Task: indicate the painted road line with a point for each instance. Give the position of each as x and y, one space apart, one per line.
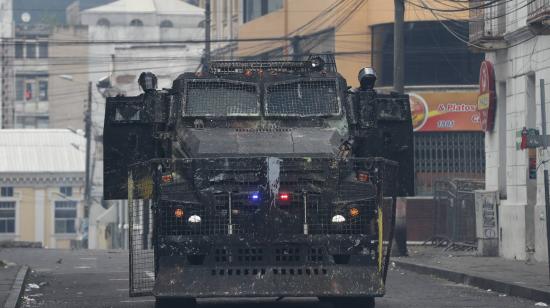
119 279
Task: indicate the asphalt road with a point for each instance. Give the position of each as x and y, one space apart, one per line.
84 279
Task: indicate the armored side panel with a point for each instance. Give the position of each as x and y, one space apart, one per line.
128 138
384 120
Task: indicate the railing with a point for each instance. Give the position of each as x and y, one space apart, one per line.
487 23
538 13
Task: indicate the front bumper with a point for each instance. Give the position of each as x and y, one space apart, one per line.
296 266
175 279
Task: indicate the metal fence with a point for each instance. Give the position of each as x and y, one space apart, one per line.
454 216
487 20
142 265
447 155
535 8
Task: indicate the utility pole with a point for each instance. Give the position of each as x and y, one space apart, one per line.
88 180
400 228
544 160
399 47
296 50
207 36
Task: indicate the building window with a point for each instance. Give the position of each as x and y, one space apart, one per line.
433 56
29 89
6 191
253 9
166 24
66 190
136 23
43 50
104 22
31 50
42 122
65 217
7 217
19 50
19 88
43 90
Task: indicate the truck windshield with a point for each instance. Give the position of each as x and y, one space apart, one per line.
219 98
302 98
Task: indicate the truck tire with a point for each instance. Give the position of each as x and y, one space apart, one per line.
350 302
175 302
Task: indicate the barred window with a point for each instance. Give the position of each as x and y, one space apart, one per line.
65 217
221 98
302 98
7 217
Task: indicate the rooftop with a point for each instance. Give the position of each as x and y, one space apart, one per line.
148 6
41 151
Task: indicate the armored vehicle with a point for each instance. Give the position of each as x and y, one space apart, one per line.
259 179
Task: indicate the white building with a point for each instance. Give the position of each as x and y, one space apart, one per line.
133 36
6 56
519 49
42 186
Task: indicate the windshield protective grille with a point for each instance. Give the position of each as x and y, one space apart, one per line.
217 98
302 98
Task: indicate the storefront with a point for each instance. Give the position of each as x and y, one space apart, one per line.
449 141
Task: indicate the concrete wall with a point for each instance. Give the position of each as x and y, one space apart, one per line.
518 70
149 19
68 78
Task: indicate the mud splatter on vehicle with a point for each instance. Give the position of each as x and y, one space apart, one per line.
258 179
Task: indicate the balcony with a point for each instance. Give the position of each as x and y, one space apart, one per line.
487 25
538 16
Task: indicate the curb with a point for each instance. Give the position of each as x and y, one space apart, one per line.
479 282
17 288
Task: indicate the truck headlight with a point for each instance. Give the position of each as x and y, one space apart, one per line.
338 219
194 219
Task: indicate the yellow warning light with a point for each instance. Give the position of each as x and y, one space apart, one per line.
179 213
354 212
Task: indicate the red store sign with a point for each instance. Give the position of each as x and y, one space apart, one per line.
487 101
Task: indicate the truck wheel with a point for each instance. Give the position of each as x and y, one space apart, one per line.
175 303
350 302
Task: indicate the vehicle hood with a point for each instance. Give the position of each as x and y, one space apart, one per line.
226 142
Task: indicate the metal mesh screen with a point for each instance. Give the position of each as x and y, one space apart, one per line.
221 98
236 198
142 271
447 155
302 98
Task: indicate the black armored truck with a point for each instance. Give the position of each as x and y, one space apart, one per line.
259 179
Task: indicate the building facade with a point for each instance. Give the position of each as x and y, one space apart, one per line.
6 61
441 73
41 187
135 36
517 44
31 99
68 77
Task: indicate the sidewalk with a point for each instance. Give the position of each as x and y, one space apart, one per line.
11 284
514 278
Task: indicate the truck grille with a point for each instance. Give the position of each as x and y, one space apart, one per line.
220 193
